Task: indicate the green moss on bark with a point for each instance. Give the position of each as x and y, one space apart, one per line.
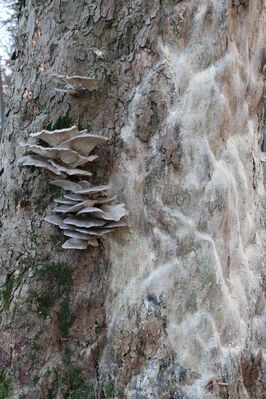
7 292
5 386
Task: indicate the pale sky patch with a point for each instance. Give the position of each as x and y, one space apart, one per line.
5 35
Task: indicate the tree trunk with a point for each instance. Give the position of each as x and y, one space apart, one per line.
173 299
1 104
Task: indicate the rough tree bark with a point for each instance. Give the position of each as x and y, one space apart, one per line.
175 298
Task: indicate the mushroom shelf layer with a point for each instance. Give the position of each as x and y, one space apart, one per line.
76 85
66 151
85 212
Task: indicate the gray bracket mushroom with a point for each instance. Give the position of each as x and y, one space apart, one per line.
66 150
76 85
85 212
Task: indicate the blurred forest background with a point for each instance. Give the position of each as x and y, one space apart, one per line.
9 14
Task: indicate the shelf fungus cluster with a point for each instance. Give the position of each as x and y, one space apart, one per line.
64 153
85 212
76 85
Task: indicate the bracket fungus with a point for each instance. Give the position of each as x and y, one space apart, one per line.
66 150
85 212
76 85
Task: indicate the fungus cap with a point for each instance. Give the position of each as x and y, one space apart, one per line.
83 144
65 155
75 243
55 137
84 222
77 82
